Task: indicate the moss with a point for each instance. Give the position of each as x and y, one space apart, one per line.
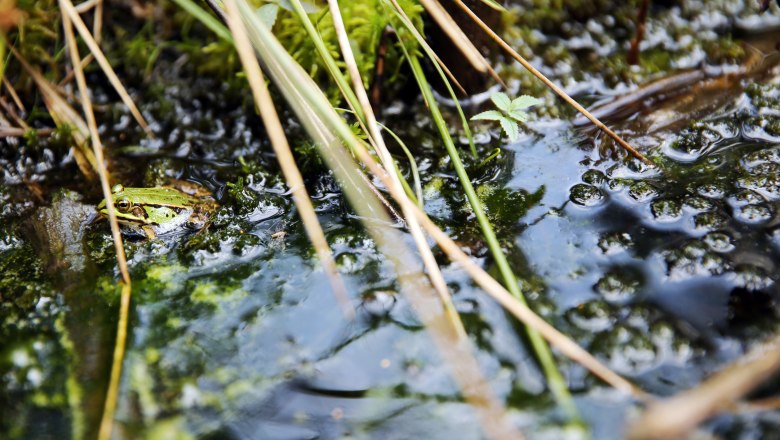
22 284
505 207
365 22
724 50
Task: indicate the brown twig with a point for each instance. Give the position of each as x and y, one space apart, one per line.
14 95
107 421
641 19
12 113
459 38
70 11
434 273
565 96
19 132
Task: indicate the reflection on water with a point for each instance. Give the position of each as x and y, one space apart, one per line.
665 273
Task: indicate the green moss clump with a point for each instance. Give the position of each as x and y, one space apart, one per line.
505 207
365 22
22 283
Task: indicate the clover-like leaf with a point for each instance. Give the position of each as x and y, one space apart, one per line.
518 115
501 101
523 102
490 115
510 128
267 13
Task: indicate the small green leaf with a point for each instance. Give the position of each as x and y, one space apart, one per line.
523 102
501 100
490 115
267 14
518 115
510 128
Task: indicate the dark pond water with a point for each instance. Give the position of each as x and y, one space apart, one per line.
664 273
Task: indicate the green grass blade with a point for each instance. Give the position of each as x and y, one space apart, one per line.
330 62
429 52
207 19
555 380
417 196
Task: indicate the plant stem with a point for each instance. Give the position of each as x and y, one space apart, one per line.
555 380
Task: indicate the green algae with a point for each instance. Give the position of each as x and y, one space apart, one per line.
226 323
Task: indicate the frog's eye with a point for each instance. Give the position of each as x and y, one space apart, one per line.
117 188
123 205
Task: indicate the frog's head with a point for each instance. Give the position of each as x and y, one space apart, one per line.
126 210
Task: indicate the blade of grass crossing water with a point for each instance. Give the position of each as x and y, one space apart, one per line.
329 130
107 420
434 273
399 12
555 381
292 174
418 194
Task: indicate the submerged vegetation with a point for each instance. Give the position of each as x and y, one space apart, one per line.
344 256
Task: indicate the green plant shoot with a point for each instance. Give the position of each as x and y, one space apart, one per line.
509 113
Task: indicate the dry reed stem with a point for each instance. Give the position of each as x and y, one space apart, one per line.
522 312
63 115
428 48
459 38
69 76
97 25
14 95
434 273
322 123
768 404
565 96
19 132
85 6
284 156
455 33
70 11
97 146
10 111
678 415
97 22
112 394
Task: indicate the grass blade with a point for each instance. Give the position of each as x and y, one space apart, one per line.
541 349
68 9
64 116
112 393
387 161
439 68
286 161
328 129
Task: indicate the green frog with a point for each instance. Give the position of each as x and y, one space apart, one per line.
151 212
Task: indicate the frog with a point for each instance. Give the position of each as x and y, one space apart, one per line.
158 211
